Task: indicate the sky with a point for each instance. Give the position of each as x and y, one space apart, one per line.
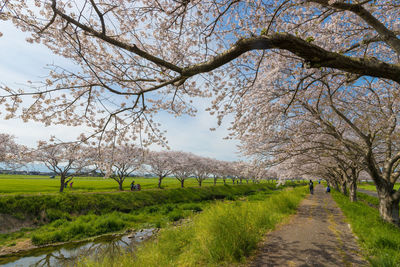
21 61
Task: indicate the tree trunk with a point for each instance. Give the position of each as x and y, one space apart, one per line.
120 185
247 181
343 188
353 191
233 181
215 181
389 210
182 183
159 181
62 183
200 181
336 185
224 181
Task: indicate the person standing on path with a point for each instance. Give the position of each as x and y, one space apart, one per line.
311 186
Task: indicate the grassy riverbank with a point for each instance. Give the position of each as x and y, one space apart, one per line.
380 240
54 207
67 217
224 234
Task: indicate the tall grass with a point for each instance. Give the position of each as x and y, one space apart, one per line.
56 206
85 226
72 217
381 240
224 234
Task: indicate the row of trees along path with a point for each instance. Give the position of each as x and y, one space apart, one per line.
316 236
311 84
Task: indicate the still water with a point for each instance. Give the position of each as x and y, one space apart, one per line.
68 254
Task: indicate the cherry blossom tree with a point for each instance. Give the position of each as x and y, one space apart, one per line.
64 159
225 170
217 169
183 165
202 169
120 162
161 164
320 121
132 49
12 155
242 170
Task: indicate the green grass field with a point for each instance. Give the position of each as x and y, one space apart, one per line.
371 187
31 184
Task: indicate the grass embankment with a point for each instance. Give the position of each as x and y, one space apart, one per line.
224 234
370 200
381 240
75 216
30 184
374 201
81 227
371 186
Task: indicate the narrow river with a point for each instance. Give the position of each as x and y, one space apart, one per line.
69 254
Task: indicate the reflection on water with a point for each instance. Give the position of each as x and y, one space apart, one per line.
69 254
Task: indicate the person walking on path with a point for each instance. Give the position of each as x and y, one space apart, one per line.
311 186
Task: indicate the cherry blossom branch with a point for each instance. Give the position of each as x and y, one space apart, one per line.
129 47
387 35
314 56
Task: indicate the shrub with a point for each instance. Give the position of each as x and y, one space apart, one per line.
53 214
175 215
192 206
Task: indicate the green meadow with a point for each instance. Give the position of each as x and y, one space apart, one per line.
34 184
371 186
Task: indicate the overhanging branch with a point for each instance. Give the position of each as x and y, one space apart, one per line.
314 55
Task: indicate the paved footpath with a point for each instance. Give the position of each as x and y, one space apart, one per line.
316 236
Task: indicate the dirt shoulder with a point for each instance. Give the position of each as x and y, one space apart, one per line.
316 236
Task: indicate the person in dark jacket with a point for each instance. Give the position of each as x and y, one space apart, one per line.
311 186
328 189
